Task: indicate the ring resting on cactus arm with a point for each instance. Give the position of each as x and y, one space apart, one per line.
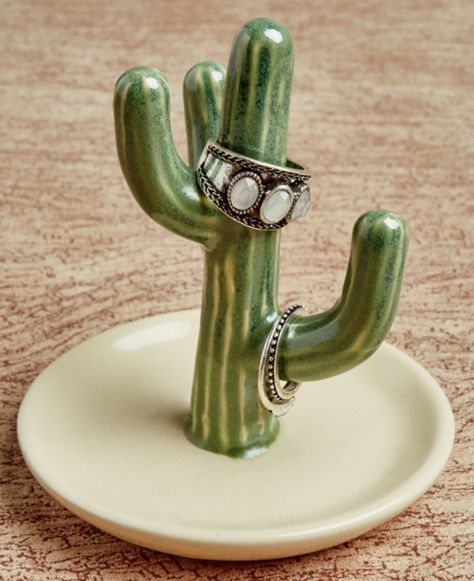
275 398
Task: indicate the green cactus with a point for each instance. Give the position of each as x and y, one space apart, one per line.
246 110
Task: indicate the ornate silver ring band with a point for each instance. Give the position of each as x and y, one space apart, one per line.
276 398
259 195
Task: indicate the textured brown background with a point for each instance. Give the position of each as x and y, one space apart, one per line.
383 112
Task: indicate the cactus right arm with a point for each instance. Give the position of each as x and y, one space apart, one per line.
164 186
329 343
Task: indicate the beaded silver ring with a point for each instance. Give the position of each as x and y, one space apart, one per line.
276 398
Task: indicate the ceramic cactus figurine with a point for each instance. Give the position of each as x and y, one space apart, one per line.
245 110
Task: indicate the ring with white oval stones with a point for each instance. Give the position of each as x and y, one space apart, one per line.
257 194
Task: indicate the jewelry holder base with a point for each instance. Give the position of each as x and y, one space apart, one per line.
101 429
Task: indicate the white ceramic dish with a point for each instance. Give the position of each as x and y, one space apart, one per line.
101 430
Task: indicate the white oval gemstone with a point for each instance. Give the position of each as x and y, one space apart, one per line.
302 205
276 205
244 193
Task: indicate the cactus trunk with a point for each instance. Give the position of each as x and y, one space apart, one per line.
238 308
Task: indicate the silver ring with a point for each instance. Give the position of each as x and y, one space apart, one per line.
257 194
275 398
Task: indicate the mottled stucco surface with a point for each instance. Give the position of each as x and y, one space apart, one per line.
383 113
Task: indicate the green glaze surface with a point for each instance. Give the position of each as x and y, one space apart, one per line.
248 113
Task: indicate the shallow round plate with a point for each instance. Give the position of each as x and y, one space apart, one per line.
101 430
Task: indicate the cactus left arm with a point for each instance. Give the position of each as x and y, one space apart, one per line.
329 343
164 186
